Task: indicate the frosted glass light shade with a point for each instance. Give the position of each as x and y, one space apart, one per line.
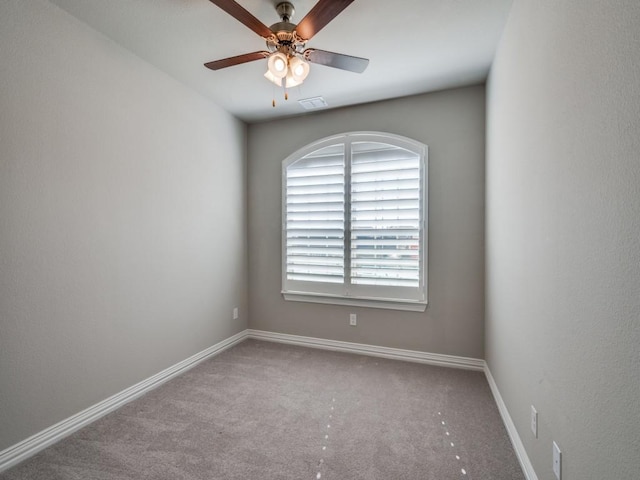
299 69
291 81
269 76
278 64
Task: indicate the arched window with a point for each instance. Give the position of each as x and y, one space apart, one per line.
354 209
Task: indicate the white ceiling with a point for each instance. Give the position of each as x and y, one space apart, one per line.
415 46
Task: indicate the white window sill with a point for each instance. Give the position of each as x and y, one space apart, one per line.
389 304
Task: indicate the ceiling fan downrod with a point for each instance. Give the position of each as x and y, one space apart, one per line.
285 11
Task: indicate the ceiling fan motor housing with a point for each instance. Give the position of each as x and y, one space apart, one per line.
286 40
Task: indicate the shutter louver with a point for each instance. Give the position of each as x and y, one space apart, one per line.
385 215
315 214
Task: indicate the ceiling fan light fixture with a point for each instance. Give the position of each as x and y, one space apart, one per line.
299 69
278 64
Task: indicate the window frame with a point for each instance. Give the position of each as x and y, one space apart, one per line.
338 294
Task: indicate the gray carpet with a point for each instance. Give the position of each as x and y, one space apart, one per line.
269 411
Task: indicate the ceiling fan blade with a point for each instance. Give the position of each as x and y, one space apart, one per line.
237 60
336 60
243 16
322 13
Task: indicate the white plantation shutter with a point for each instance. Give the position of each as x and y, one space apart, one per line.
385 215
315 211
354 210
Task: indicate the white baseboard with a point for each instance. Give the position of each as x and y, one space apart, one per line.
516 441
32 445
371 350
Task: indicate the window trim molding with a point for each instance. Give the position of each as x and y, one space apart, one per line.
388 304
355 300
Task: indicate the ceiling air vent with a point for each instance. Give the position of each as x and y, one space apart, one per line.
313 103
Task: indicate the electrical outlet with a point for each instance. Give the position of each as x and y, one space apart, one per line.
534 421
353 319
557 461
235 313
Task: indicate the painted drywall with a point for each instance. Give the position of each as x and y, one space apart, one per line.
452 124
122 219
563 232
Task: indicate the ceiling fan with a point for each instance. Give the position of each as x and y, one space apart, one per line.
286 41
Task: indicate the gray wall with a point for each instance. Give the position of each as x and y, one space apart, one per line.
122 219
452 124
563 230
